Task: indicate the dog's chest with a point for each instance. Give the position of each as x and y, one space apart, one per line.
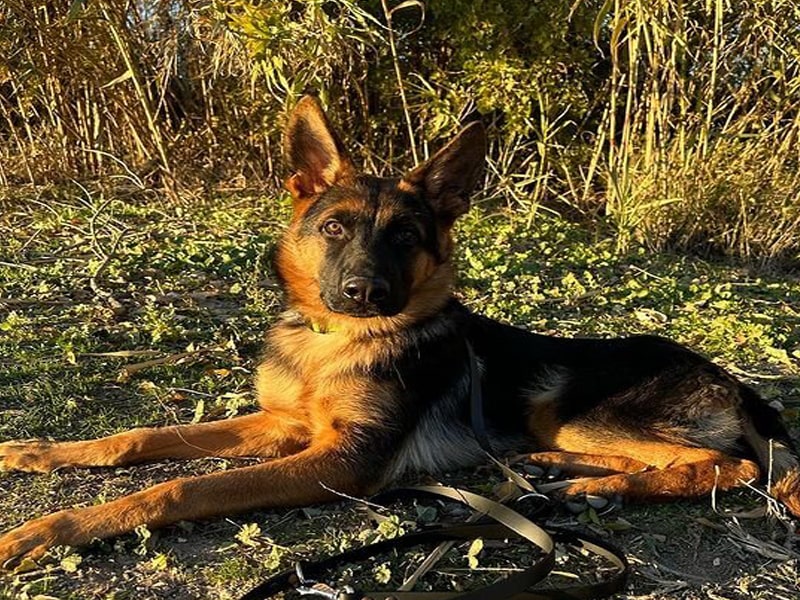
319 378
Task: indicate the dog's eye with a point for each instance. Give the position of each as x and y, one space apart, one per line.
405 237
332 228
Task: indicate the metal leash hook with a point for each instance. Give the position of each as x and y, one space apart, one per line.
309 587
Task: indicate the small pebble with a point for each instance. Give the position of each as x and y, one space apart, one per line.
574 507
533 470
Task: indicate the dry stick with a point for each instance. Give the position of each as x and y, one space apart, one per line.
17 140
14 265
102 267
120 354
140 92
363 501
129 370
746 541
396 62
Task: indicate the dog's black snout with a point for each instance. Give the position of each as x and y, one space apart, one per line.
365 290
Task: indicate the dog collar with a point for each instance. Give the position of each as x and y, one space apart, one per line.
296 319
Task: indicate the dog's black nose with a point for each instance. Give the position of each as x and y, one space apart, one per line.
365 290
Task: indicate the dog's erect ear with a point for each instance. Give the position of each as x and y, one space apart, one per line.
447 179
314 152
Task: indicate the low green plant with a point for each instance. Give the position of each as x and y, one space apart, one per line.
65 347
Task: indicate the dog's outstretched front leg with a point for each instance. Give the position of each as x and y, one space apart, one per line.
260 434
298 480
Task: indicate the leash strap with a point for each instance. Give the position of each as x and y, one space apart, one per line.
478 423
507 524
476 403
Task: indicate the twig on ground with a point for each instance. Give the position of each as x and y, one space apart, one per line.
129 370
353 498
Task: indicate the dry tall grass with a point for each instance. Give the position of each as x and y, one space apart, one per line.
699 143
675 122
154 84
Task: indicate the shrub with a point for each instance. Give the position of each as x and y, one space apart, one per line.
670 124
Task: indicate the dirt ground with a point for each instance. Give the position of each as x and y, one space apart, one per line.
683 550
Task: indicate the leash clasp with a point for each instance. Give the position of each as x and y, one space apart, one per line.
309 587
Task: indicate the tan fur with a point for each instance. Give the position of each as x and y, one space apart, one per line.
683 480
282 482
652 469
787 490
590 465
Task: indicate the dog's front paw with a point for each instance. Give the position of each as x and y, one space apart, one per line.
35 456
32 539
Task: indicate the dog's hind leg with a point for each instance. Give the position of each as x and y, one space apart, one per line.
590 465
675 471
687 480
260 434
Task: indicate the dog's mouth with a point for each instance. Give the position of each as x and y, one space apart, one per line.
388 307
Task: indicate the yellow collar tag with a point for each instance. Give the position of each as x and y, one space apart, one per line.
318 328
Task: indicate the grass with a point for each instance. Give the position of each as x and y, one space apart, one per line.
96 284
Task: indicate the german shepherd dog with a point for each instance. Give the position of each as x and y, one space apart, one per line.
368 376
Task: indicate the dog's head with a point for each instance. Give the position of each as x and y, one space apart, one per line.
369 252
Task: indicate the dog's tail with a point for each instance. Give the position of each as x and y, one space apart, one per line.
766 434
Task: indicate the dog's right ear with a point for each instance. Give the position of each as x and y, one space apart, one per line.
314 152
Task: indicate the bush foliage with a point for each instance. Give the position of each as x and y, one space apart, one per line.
671 123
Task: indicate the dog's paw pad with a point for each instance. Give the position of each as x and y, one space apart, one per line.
533 470
27 455
554 472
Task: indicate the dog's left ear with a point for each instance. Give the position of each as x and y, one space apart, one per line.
448 178
314 152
